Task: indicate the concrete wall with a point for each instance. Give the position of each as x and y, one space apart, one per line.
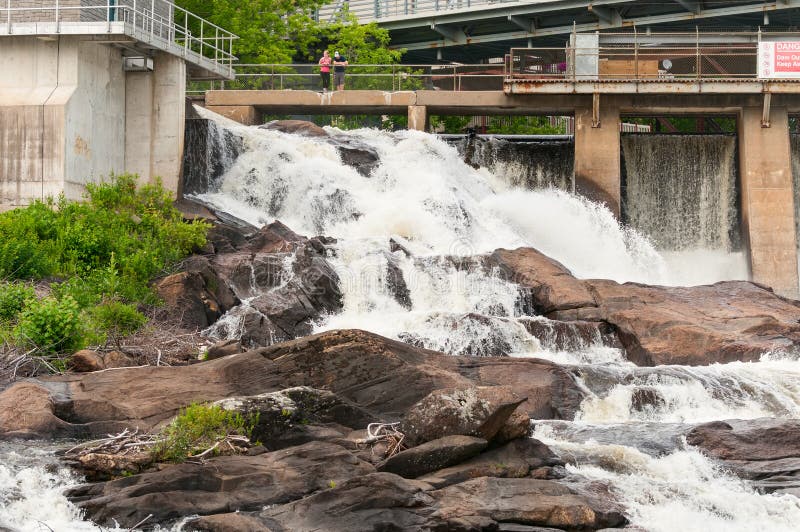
70 115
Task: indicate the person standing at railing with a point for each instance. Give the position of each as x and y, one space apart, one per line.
339 64
325 70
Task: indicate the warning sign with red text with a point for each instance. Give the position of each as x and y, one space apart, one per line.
779 60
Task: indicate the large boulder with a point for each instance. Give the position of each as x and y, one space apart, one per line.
433 455
388 377
381 376
479 411
221 484
657 325
383 501
296 127
94 404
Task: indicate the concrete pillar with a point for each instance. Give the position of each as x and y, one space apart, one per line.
418 117
155 111
244 114
597 157
767 199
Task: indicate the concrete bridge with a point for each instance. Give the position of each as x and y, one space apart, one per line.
600 90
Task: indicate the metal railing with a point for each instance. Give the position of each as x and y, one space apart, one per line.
371 10
368 77
157 22
661 57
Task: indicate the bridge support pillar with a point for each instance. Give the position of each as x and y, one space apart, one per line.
247 115
418 117
767 199
597 155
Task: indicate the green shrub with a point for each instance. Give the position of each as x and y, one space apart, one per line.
197 428
114 319
107 248
50 324
13 298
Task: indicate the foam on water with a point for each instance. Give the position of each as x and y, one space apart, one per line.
683 490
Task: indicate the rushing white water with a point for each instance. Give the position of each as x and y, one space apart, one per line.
738 390
682 490
31 491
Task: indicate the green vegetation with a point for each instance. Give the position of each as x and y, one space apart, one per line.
98 258
198 429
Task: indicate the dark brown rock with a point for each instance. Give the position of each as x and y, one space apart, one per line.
237 522
221 484
657 325
474 411
296 127
515 459
387 377
432 455
187 301
94 404
223 348
85 361
524 501
751 440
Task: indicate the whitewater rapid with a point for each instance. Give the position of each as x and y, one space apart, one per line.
444 212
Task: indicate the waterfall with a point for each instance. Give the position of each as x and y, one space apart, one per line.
680 190
209 151
531 165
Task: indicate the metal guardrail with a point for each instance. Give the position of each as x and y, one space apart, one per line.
371 10
658 57
157 22
370 77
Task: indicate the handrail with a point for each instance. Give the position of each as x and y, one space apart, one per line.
159 22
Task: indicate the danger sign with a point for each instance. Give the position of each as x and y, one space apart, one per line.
779 60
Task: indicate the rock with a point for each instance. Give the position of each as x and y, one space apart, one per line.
296 127
95 404
85 361
117 359
723 322
757 439
293 416
387 377
646 398
432 455
474 411
515 459
220 484
378 501
187 301
104 466
570 335
223 348
551 285
523 501
237 522
517 426
360 156
396 284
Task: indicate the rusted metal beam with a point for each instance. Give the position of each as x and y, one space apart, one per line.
766 110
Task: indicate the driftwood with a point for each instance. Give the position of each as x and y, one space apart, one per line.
386 433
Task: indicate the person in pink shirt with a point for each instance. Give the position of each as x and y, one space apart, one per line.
325 70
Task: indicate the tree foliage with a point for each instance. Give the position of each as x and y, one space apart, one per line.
284 31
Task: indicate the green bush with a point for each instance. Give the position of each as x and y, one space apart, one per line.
50 324
114 319
197 428
106 249
13 298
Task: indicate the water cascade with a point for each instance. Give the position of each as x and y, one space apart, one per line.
423 213
529 164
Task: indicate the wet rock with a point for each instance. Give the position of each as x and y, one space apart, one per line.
750 440
221 484
570 335
474 411
515 459
646 398
396 284
395 246
360 156
296 127
723 322
432 455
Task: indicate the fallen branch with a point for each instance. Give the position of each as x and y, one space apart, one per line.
387 433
